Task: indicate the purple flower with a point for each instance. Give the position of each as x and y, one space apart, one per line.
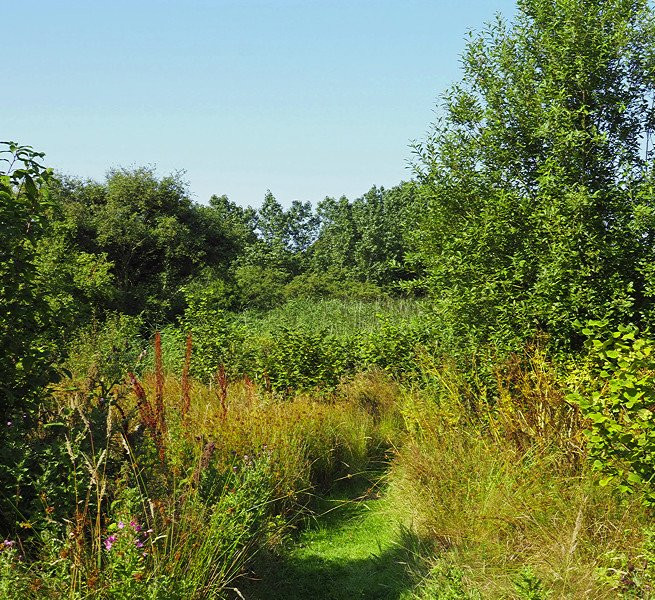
9 423
9 543
135 526
109 542
138 543
121 525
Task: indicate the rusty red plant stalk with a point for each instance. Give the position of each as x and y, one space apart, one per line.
205 459
159 385
143 404
148 416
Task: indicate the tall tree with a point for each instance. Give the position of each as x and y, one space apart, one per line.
24 315
367 238
537 180
153 236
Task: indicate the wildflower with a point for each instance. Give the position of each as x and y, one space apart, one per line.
135 526
9 423
109 542
9 543
121 525
138 543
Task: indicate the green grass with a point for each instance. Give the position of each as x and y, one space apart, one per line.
355 548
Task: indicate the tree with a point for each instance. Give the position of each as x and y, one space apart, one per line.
284 235
155 239
537 180
24 203
277 254
366 238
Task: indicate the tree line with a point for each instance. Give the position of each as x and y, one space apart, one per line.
531 210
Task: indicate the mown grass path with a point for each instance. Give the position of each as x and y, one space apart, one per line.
354 550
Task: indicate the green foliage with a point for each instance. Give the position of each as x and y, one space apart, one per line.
366 239
283 236
210 327
529 587
24 314
153 237
13 580
333 283
618 403
45 460
534 208
633 577
446 582
73 283
103 353
536 191
292 349
260 287
296 359
26 333
174 563
335 316
393 346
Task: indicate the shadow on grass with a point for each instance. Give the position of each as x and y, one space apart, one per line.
340 556
380 577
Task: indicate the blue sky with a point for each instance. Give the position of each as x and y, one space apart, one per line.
305 98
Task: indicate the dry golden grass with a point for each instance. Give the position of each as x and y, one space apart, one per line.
312 441
510 490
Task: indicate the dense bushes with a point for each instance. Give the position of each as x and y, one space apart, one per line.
533 209
616 394
24 313
537 191
287 353
506 497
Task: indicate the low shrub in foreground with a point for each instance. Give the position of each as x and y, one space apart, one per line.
616 393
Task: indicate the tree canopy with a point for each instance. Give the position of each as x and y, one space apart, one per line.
537 178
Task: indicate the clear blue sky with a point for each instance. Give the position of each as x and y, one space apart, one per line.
307 98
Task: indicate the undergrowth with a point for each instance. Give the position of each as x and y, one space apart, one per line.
159 484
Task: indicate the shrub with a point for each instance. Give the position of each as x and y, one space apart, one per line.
394 347
616 394
105 351
297 359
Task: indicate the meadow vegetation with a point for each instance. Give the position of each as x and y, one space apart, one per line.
442 390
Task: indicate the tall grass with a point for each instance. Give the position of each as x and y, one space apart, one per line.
165 486
176 484
504 496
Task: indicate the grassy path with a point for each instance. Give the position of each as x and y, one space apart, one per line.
355 549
